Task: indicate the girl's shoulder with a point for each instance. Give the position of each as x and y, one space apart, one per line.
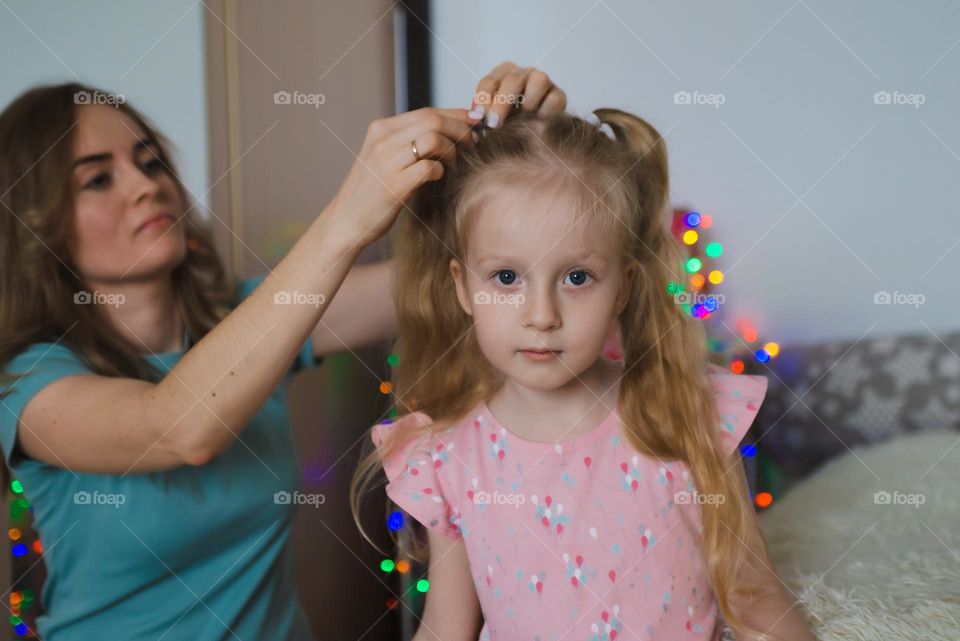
417 436
738 398
422 467
421 424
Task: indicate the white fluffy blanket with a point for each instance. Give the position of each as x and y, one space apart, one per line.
872 567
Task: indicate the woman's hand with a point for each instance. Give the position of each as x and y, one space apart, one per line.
387 171
399 154
510 87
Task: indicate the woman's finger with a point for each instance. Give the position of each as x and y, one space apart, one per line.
488 85
453 127
537 87
417 174
509 86
508 94
430 145
425 114
555 100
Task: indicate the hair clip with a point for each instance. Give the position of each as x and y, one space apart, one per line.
602 127
479 129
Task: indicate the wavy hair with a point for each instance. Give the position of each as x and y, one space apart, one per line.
666 405
37 277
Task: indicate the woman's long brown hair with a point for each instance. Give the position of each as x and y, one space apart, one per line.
38 278
666 404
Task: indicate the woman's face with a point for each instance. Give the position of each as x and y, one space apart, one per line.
120 184
539 276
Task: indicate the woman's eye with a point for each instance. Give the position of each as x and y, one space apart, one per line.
100 181
506 276
153 165
578 277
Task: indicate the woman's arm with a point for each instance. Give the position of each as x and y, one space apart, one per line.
112 425
117 425
362 313
452 610
237 366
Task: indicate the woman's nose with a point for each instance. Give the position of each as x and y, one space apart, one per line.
139 183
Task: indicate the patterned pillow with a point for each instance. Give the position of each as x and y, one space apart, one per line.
826 398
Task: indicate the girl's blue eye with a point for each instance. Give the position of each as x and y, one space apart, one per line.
511 276
578 277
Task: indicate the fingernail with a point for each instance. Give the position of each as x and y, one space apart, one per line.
476 113
493 118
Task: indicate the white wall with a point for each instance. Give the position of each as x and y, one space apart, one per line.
877 183
151 52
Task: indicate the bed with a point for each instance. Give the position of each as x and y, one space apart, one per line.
859 442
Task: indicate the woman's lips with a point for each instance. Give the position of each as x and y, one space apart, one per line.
157 222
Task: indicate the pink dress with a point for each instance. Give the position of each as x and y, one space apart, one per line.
584 540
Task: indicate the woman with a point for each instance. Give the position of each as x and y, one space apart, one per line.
143 407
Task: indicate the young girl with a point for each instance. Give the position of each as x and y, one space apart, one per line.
567 495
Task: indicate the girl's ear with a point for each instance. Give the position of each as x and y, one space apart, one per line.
458 272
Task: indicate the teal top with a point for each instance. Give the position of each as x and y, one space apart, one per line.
196 553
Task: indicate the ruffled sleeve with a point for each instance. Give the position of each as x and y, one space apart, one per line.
413 479
738 398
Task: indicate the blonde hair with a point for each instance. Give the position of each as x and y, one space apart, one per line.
666 405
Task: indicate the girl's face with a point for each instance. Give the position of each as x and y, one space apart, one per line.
119 185
539 278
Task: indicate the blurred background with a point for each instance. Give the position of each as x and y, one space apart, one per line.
817 140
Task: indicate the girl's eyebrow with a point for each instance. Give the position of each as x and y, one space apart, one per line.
143 143
516 259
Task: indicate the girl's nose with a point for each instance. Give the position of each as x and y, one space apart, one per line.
539 311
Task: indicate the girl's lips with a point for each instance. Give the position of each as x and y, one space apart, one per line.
539 356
